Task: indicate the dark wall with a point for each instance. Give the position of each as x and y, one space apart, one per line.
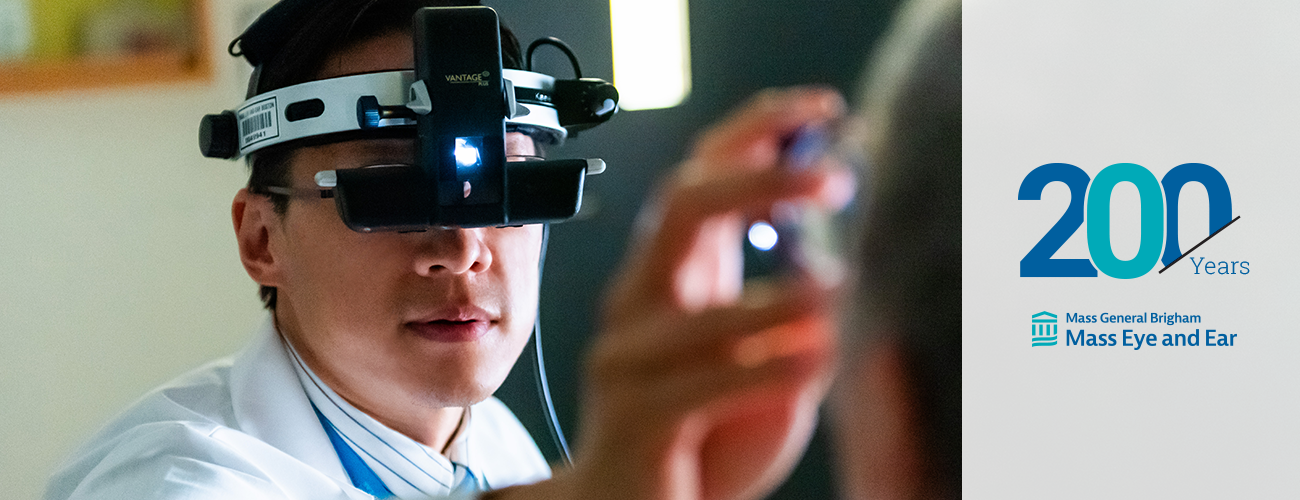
737 48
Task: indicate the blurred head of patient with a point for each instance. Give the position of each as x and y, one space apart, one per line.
898 400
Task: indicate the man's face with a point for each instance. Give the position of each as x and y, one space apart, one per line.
434 318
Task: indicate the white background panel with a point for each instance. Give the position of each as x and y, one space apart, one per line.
1159 84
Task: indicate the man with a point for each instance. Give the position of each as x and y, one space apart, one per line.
373 374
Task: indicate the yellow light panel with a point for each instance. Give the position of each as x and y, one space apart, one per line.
652 52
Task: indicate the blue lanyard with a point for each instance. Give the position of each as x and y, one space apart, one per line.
360 474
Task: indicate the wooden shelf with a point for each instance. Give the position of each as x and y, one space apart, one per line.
160 67
170 66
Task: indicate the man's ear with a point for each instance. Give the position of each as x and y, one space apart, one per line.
255 222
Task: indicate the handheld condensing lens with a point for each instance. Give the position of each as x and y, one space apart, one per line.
796 238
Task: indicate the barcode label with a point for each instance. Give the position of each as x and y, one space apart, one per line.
258 122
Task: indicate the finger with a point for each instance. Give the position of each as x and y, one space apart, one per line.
754 131
772 431
690 199
837 188
744 349
780 341
718 387
771 321
690 207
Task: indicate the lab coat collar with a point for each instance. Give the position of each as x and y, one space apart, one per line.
269 404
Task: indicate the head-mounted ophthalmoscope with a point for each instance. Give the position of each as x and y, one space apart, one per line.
460 101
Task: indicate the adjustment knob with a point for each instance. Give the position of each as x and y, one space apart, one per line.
584 103
219 135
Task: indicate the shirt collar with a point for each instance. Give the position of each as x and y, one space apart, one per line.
408 468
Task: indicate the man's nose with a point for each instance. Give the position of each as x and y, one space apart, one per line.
455 251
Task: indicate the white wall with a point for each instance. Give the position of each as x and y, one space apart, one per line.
118 268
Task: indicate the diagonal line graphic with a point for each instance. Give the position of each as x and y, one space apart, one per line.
1198 245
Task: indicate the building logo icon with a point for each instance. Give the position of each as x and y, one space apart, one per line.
1043 326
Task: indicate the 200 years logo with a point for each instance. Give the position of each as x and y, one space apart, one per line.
1159 219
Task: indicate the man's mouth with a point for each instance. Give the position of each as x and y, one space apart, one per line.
450 331
456 325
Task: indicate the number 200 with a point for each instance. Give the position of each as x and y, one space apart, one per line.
1039 262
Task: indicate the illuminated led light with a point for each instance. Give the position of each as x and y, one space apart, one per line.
652 52
466 154
763 236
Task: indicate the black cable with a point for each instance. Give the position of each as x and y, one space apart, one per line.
544 389
556 42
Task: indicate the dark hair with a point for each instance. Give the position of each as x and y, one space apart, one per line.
292 42
910 253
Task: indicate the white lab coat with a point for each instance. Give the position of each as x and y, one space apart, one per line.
244 428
